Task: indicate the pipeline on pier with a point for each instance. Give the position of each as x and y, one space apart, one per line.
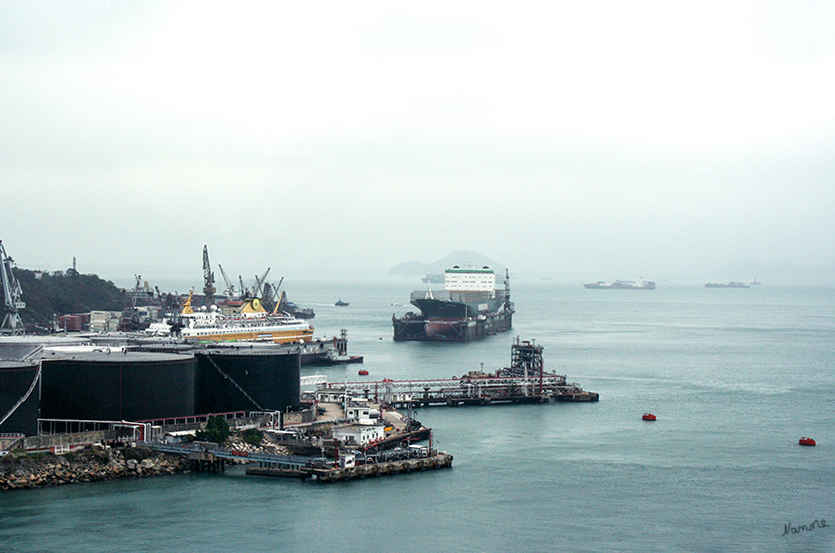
525 381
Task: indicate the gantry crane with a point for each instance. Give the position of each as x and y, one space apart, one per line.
230 291
259 282
12 324
208 278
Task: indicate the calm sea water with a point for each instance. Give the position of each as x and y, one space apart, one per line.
734 376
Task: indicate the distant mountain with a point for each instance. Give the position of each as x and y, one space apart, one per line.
460 258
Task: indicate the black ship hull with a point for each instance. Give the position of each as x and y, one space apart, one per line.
464 329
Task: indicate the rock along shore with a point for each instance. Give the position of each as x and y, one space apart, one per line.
88 465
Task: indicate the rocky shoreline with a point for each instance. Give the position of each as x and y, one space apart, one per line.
89 465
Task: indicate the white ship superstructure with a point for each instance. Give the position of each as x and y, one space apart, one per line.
470 279
253 324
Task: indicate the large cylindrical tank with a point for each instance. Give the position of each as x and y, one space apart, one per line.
16 378
247 380
118 386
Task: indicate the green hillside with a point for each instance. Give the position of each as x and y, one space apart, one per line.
63 294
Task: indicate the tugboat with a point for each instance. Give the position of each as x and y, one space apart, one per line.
806 441
648 417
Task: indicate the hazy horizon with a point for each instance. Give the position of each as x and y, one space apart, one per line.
590 142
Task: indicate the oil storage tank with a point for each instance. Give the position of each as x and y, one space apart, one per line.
19 397
114 384
247 379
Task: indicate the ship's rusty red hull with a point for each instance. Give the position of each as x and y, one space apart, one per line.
451 329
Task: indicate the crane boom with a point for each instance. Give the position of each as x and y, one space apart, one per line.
259 282
281 299
230 288
208 275
277 288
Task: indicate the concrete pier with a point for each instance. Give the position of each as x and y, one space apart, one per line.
206 462
338 474
388 468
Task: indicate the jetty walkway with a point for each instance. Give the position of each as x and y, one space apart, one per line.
213 458
210 458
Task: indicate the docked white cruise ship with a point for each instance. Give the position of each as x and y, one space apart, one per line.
252 324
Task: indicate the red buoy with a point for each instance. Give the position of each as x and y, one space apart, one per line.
363 372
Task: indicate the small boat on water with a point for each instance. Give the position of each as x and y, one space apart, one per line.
807 441
362 372
341 303
648 417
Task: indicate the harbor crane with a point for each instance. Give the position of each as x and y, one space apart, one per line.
12 324
259 282
271 293
130 315
230 291
276 288
208 277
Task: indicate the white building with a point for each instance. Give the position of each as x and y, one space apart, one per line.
361 412
104 321
359 434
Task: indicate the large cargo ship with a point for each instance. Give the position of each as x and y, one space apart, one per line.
639 284
469 308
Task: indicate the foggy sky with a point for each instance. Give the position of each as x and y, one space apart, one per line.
592 140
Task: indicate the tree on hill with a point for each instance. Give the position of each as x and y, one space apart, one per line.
47 295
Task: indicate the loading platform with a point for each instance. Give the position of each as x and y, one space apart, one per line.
473 389
525 381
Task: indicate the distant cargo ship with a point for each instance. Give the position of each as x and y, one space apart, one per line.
728 285
469 308
639 284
